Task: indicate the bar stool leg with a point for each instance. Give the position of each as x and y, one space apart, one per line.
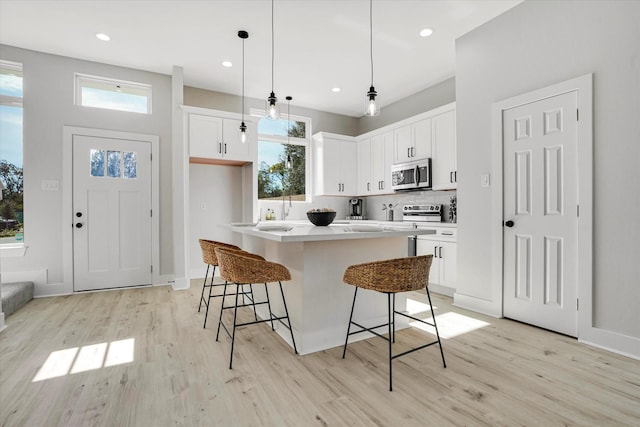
204 285
266 290
253 301
394 318
208 302
286 312
346 340
224 297
433 316
233 334
391 328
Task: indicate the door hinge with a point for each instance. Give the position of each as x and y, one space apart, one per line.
151 213
577 115
578 211
152 268
151 156
577 304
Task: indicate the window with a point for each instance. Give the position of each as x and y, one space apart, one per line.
11 205
119 164
274 179
102 92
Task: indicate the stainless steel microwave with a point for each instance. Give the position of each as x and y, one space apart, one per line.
415 175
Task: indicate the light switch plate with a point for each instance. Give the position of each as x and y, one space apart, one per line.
50 185
484 180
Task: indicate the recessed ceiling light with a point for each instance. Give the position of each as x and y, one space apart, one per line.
426 32
227 64
103 37
335 89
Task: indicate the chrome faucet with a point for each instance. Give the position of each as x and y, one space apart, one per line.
285 213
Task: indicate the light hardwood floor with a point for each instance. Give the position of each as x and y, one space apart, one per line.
502 374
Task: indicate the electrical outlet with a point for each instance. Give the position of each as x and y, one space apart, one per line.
484 180
50 185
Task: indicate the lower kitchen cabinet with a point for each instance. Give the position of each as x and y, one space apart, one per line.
442 246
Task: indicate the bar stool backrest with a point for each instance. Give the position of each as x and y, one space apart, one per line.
392 275
208 252
243 267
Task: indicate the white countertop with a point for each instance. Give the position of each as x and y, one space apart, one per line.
304 231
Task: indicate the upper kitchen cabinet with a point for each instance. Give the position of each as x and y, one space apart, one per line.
334 165
412 141
444 172
381 161
214 139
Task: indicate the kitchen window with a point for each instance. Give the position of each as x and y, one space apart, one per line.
112 94
279 140
11 178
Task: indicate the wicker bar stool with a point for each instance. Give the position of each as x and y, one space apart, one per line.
209 257
241 268
390 277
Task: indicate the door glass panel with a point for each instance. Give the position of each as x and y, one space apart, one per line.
113 164
97 162
130 166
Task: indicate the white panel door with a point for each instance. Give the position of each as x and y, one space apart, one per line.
112 213
540 213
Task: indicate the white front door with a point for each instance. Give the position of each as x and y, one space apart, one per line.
111 213
540 213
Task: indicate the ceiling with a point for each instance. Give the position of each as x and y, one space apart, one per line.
319 44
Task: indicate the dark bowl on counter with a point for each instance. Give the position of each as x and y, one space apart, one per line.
321 218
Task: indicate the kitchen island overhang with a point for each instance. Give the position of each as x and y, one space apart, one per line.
318 301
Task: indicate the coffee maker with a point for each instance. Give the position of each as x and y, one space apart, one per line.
355 209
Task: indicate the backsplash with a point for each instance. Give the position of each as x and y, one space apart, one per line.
372 205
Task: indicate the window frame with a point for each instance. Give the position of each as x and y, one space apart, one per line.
283 139
105 83
17 248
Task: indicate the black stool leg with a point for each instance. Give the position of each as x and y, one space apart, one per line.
208 302
204 285
391 327
433 316
266 290
346 340
253 301
233 334
286 312
224 297
394 317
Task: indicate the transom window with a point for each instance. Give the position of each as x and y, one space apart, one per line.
112 94
279 141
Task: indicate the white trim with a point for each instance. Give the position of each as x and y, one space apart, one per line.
583 85
479 305
10 250
67 200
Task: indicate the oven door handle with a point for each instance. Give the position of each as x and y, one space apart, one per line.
417 176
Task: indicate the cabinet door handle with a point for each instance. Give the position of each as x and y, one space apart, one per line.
338 187
413 152
435 251
455 176
368 186
450 176
382 183
408 152
220 147
225 148
440 252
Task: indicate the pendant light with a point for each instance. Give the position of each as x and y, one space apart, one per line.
371 108
272 109
288 98
243 127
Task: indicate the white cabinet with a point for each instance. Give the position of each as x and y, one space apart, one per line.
375 157
442 246
412 141
217 138
444 174
334 165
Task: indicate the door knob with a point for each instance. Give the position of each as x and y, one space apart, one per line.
509 223
78 225
79 214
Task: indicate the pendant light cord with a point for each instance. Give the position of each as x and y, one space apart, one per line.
370 36
243 80
272 44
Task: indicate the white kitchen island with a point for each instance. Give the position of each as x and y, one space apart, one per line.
318 301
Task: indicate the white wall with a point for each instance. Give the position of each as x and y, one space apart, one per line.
534 45
48 106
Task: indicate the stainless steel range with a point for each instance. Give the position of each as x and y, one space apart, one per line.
422 213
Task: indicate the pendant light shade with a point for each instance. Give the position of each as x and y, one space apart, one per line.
243 127
288 98
371 106
272 109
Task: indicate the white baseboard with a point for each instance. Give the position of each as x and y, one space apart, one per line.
612 341
2 324
38 277
164 279
51 290
180 284
442 290
478 305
